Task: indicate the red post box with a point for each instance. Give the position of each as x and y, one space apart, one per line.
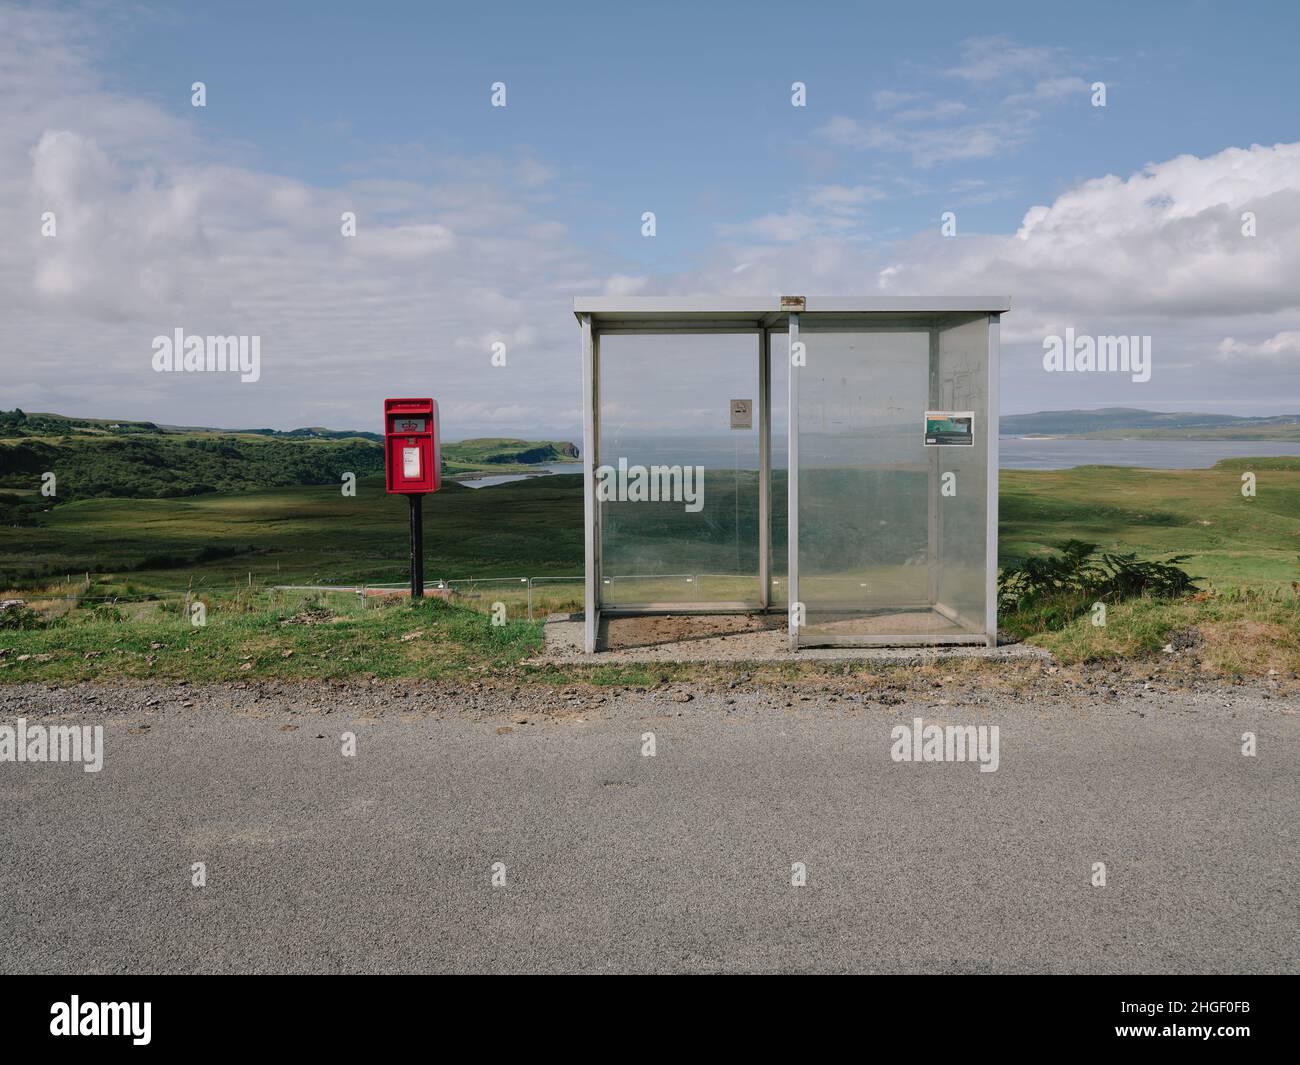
413 458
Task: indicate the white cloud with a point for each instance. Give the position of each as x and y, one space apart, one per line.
927 147
1282 350
1051 89
848 132
817 210
887 99
623 285
991 58
1165 241
932 111
1160 252
405 243
787 228
529 172
840 197
158 228
1006 86
122 244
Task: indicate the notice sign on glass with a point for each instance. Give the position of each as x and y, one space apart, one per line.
946 427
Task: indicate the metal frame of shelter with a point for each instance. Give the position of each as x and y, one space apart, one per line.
604 316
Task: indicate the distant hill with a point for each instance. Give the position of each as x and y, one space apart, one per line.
489 450
496 451
156 466
1132 421
312 433
102 458
16 422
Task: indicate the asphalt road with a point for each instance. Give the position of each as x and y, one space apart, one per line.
615 861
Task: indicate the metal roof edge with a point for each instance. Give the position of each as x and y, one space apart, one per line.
706 306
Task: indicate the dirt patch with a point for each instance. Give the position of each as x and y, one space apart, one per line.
1245 646
317 616
730 638
624 633
1185 639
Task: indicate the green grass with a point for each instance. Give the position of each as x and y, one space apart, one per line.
1247 552
141 461
1258 433
356 641
298 535
1246 617
1232 541
1236 633
504 454
533 528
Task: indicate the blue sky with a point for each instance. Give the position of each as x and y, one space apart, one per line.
484 222
684 108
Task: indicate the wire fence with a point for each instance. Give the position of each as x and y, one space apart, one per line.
519 597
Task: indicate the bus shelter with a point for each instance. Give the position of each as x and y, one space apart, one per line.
831 459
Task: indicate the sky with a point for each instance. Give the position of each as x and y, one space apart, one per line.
478 224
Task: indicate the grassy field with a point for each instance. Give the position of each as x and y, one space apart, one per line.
493 455
83 459
227 550
1232 540
298 637
298 535
1246 550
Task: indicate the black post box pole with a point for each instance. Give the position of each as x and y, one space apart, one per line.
417 547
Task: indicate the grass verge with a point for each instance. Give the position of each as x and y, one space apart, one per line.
430 641
1238 632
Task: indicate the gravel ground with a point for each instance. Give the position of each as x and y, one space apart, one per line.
734 638
615 861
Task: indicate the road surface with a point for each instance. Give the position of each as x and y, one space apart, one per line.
613 860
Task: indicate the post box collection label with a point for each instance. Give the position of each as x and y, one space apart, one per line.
413 457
